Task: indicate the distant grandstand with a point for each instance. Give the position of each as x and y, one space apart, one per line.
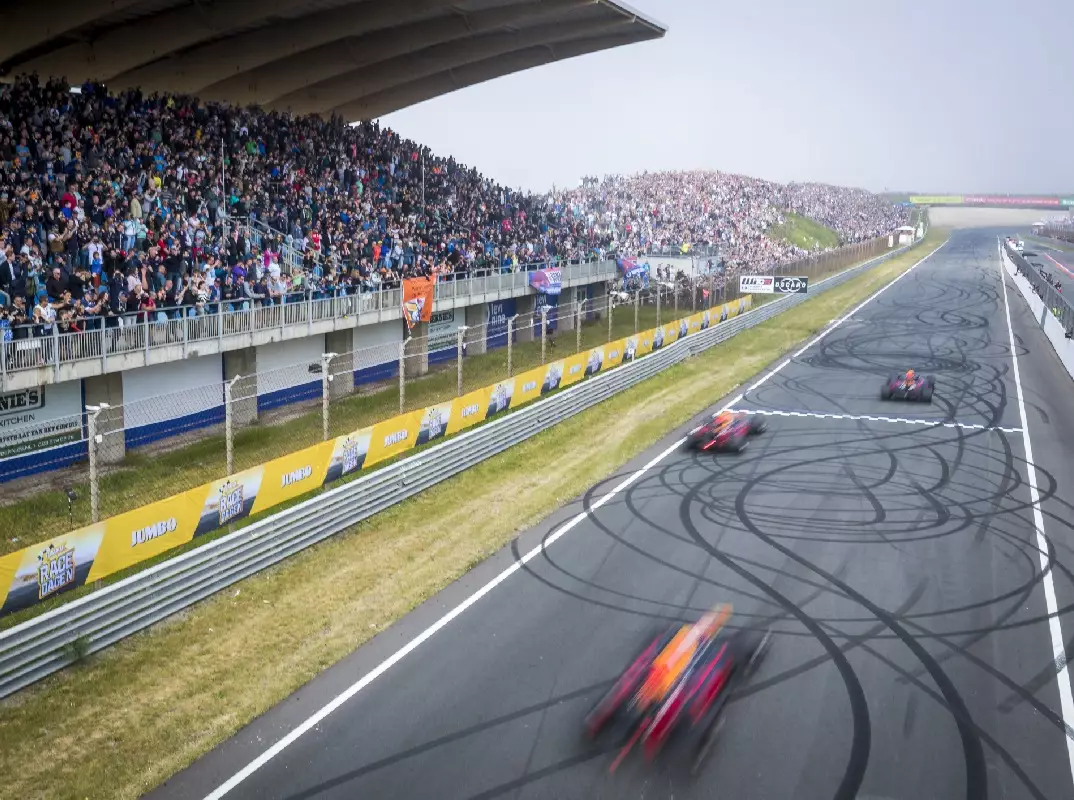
359 59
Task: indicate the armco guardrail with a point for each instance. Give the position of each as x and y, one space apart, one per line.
43 645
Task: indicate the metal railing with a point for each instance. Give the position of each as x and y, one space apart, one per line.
43 645
33 347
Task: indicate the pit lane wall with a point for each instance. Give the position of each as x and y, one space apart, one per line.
1048 322
97 551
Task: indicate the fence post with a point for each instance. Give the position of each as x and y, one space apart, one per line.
712 288
637 308
611 306
675 291
460 345
578 326
659 291
510 342
326 379
544 333
91 447
402 374
229 424
56 350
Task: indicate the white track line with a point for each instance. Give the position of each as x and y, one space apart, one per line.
935 423
310 723
1055 627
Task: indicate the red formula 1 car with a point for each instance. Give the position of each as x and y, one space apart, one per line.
726 431
682 679
909 385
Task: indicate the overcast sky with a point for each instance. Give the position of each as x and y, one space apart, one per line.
958 96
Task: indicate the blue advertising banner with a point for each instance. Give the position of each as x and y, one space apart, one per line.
632 270
497 314
547 281
551 302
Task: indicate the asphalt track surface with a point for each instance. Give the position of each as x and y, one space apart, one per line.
896 560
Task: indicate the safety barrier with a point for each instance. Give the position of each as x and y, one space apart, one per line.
45 644
1050 308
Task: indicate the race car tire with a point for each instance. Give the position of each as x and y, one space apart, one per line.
886 392
738 444
926 394
758 424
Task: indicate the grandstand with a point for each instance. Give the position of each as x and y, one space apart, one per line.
167 222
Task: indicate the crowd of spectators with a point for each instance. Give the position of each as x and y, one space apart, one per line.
659 212
119 207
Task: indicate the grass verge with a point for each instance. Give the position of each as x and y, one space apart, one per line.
805 233
128 718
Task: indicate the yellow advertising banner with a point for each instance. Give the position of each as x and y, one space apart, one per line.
147 532
393 436
49 568
294 475
644 343
613 353
228 500
434 423
348 454
694 322
574 368
531 384
500 395
468 410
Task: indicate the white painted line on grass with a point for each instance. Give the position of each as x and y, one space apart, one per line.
935 423
348 693
1055 627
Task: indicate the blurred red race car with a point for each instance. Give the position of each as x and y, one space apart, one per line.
726 431
683 678
909 385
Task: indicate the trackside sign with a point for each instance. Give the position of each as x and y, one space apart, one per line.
791 285
769 284
756 284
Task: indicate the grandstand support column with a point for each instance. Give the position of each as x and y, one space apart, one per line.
600 297
476 335
343 366
242 362
417 352
106 391
525 306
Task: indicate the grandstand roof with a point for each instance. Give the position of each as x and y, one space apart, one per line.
360 59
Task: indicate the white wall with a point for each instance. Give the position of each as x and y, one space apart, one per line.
281 365
162 392
378 344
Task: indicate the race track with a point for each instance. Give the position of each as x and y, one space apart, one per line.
892 547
